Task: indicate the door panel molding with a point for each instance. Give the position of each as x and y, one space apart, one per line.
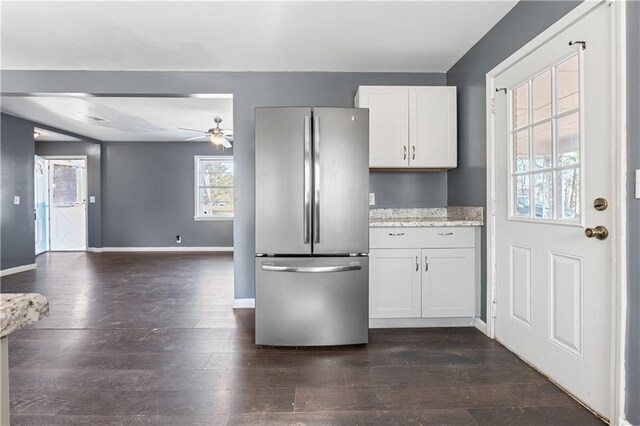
520 299
565 294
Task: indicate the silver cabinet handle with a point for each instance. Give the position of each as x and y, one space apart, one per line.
413 157
426 263
311 269
316 177
405 152
417 263
445 233
307 181
396 234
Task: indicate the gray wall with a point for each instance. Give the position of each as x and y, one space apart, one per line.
633 323
92 151
409 189
467 184
250 90
149 196
17 245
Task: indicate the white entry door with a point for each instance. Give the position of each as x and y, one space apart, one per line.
553 160
68 207
41 203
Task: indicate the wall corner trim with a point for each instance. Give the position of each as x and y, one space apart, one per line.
166 249
244 303
480 325
17 269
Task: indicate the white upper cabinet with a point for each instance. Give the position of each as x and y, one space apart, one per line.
388 129
432 127
410 126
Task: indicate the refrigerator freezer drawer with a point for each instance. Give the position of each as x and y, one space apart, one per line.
312 301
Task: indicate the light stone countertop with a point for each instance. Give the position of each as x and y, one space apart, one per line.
18 310
426 217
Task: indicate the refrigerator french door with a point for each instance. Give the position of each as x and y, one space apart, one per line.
312 225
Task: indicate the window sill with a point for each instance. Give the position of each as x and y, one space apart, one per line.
210 218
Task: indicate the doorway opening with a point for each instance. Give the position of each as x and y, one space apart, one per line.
60 203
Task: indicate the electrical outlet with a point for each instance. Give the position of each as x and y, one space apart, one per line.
178 239
92 198
372 199
16 200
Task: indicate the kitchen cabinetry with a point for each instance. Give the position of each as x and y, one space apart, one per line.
448 283
423 273
410 127
394 283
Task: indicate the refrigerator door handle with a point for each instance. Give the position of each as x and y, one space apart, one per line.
311 269
316 178
307 181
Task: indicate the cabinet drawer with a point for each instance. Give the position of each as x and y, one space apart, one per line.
431 237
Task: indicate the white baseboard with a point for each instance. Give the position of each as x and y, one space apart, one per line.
151 249
244 303
17 269
420 322
94 249
480 325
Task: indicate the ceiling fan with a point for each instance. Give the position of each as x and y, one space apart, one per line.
217 136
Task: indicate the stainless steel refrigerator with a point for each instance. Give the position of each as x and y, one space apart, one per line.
312 226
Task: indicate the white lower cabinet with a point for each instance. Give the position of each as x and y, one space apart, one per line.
433 277
448 283
394 283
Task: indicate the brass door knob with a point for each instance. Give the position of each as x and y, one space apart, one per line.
599 232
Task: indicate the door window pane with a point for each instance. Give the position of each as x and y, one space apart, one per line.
543 195
521 151
66 184
568 84
521 106
522 198
542 145
545 131
570 193
569 139
542 96
214 187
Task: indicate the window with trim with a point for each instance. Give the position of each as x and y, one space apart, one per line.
546 145
213 187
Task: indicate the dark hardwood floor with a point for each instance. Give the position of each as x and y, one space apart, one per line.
140 339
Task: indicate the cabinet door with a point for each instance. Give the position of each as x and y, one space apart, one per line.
448 283
388 124
432 127
394 283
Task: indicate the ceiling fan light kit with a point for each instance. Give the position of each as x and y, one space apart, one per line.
216 135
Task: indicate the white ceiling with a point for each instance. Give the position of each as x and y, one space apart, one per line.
126 118
366 36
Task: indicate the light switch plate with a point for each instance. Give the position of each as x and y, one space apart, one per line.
92 198
16 200
372 199
638 184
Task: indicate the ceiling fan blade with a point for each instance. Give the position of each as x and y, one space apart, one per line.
196 137
227 132
226 143
192 130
